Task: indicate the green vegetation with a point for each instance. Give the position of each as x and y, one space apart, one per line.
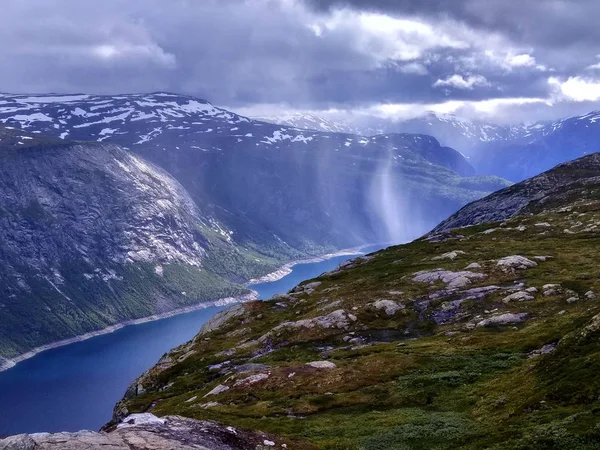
431 375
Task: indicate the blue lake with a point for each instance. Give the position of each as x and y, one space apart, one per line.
76 387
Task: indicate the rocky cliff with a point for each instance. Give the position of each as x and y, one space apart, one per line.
483 336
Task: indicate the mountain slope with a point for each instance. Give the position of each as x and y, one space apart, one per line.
566 182
479 337
91 235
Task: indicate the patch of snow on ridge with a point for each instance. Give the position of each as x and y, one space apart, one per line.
27 119
53 99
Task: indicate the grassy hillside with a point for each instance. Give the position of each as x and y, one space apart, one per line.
480 337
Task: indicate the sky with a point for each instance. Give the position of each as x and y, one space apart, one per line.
502 60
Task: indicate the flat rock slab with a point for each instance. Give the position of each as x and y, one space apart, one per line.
148 432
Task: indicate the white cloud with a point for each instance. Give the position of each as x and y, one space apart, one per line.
460 82
521 60
576 88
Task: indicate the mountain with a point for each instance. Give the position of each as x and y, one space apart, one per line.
483 336
138 205
91 236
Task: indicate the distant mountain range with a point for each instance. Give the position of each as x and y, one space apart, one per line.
119 207
515 152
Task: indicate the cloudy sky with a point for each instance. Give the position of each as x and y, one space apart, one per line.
507 59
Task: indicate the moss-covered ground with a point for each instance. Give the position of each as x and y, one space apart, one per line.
405 380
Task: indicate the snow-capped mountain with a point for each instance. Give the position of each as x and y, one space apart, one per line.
509 151
309 121
541 147
449 129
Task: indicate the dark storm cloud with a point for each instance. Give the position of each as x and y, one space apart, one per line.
303 53
548 26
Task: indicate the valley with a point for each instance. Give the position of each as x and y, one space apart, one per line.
120 226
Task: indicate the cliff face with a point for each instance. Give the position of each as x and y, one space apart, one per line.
484 336
92 235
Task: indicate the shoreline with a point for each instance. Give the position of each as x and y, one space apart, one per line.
283 271
9 363
286 269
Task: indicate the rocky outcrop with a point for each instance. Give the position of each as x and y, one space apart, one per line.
148 432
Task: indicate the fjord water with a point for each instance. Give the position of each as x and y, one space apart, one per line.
76 387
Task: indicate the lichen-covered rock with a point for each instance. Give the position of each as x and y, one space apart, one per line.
337 319
516 262
217 390
548 348
449 255
520 296
452 279
308 288
503 319
390 307
322 365
252 379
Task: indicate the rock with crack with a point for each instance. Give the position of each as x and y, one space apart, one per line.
452 279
